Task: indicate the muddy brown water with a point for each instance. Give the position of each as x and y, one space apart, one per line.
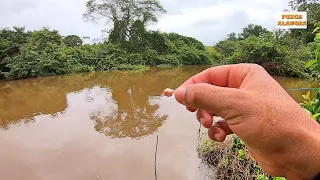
101 126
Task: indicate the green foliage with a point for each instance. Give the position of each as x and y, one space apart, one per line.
182 41
314 64
231 160
312 106
214 56
39 56
313 10
164 66
252 30
46 53
125 15
277 56
10 42
295 4
227 47
261 49
72 41
278 52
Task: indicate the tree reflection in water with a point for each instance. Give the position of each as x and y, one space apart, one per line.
136 113
135 96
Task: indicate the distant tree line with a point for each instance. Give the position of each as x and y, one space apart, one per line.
281 52
46 53
130 45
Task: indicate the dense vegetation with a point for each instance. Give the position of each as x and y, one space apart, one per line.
46 53
281 52
129 45
312 106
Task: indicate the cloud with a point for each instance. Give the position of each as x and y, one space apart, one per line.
65 16
207 20
210 21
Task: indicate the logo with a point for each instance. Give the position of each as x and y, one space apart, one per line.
292 20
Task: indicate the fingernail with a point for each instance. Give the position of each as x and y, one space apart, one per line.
201 121
217 137
180 95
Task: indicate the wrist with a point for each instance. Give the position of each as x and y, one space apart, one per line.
305 162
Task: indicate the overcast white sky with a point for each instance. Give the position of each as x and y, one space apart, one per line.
207 20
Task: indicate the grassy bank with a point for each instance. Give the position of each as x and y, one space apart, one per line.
230 160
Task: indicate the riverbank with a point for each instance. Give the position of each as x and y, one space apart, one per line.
108 102
230 160
45 52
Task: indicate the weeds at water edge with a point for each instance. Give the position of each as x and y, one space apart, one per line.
229 160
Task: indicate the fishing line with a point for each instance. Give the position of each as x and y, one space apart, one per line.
155 159
302 89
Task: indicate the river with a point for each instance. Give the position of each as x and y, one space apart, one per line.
101 126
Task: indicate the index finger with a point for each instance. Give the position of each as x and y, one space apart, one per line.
218 76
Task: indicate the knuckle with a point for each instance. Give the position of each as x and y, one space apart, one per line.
258 67
194 97
252 65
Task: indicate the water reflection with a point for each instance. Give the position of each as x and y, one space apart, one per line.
134 95
69 117
135 116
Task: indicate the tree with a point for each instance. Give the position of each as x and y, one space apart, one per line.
232 36
123 14
39 56
10 42
295 4
252 30
135 116
313 11
315 63
72 41
227 47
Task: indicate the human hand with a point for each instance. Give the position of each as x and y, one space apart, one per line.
283 139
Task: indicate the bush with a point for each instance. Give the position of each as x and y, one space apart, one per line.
280 53
46 53
214 56
230 160
312 106
261 49
227 47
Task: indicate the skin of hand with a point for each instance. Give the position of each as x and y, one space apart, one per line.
279 134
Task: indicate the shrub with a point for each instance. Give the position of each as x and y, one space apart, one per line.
230 160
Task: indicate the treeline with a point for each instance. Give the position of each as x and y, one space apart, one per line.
281 52
46 53
130 45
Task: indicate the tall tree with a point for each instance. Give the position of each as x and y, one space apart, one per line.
122 14
312 7
252 30
232 36
72 41
10 42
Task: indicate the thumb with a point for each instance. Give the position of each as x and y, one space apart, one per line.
209 97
